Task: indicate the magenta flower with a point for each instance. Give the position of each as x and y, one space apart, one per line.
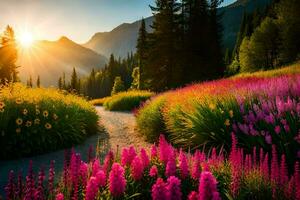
117 181
208 187
171 165
137 168
153 152
268 139
10 187
159 190
124 157
131 154
91 189
283 178
59 196
193 196
153 171
277 129
145 158
96 167
164 149
39 193
83 173
108 161
101 178
274 165
174 189
183 165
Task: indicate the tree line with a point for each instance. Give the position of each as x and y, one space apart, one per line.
268 39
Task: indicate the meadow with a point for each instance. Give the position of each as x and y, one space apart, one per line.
124 101
262 109
39 120
164 173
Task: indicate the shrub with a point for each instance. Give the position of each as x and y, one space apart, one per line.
149 119
126 101
99 102
39 120
118 86
241 176
261 110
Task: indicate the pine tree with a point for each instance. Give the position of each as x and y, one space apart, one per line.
118 86
38 82
142 52
29 82
162 64
64 85
74 80
8 56
60 83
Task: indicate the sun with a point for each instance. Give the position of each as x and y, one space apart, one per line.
26 39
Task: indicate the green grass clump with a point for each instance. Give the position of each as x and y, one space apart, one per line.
35 121
126 101
149 119
99 102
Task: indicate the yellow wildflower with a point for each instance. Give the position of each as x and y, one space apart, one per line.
55 117
45 113
2 104
48 126
18 130
37 121
1 110
37 111
227 122
25 111
28 123
212 106
231 113
19 101
19 121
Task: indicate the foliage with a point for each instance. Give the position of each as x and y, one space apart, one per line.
35 121
99 102
127 101
8 56
204 115
164 174
261 50
118 86
136 79
149 118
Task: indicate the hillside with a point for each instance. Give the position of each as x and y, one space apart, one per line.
122 39
50 59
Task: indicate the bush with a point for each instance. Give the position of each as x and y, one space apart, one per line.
35 121
126 101
99 102
149 119
261 111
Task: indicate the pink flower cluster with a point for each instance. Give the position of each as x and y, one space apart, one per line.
170 174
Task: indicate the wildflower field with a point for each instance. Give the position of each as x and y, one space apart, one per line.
124 101
35 121
165 173
263 109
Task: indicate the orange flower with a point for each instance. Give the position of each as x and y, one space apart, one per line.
45 113
48 126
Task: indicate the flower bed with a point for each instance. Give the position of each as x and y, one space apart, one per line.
34 121
165 173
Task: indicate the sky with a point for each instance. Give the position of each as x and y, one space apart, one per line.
79 20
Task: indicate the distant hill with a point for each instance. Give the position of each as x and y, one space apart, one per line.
50 59
122 39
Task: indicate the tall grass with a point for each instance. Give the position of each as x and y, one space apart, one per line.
126 101
39 120
262 109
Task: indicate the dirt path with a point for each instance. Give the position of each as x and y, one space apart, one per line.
121 129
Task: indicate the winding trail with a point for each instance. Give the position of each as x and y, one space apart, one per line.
121 129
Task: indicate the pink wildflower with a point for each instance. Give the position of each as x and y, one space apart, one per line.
124 157
159 190
117 181
283 171
96 167
108 161
171 165
277 129
193 196
164 149
101 178
153 171
137 168
274 165
131 154
153 152
59 196
91 189
173 186
145 158
208 187
183 165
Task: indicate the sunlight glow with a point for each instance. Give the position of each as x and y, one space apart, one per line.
26 39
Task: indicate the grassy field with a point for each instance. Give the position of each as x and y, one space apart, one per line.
35 121
263 109
124 101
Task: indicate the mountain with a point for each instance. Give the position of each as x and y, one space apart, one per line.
49 59
122 39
